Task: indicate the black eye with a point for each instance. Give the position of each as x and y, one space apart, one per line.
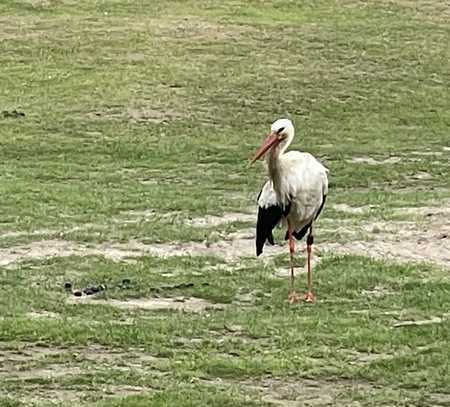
280 130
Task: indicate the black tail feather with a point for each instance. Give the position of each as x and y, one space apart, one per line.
324 198
300 234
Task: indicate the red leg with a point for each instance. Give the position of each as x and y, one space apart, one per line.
291 251
293 295
309 297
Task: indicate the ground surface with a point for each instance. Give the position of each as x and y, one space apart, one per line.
125 133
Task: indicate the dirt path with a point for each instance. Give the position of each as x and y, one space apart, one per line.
424 240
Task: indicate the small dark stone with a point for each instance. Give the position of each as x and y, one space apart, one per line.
94 289
14 113
77 293
68 286
126 281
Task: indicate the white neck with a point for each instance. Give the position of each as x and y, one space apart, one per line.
276 153
274 163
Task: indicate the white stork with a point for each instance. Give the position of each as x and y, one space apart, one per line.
294 195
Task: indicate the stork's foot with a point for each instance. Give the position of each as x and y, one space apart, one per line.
310 297
294 297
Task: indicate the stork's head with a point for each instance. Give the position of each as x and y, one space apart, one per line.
281 135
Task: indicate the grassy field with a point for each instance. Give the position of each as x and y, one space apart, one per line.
125 133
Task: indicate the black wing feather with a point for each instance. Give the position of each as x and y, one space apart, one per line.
268 218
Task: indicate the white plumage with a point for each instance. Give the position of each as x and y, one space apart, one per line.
300 180
294 194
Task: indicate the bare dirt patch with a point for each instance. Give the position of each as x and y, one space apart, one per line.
203 221
427 240
357 210
358 358
50 371
26 362
42 314
29 352
401 241
422 175
153 115
30 361
236 246
22 354
9 257
296 392
141 114
54 394
433 320
300 392
185 304
213 220
426 153
424 239
200 222
426 211
377 292
440 399
428 10
39 232
373 161
195 29
427 250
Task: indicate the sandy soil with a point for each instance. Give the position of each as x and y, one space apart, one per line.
427 239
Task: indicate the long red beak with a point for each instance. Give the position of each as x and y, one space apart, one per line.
271 141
